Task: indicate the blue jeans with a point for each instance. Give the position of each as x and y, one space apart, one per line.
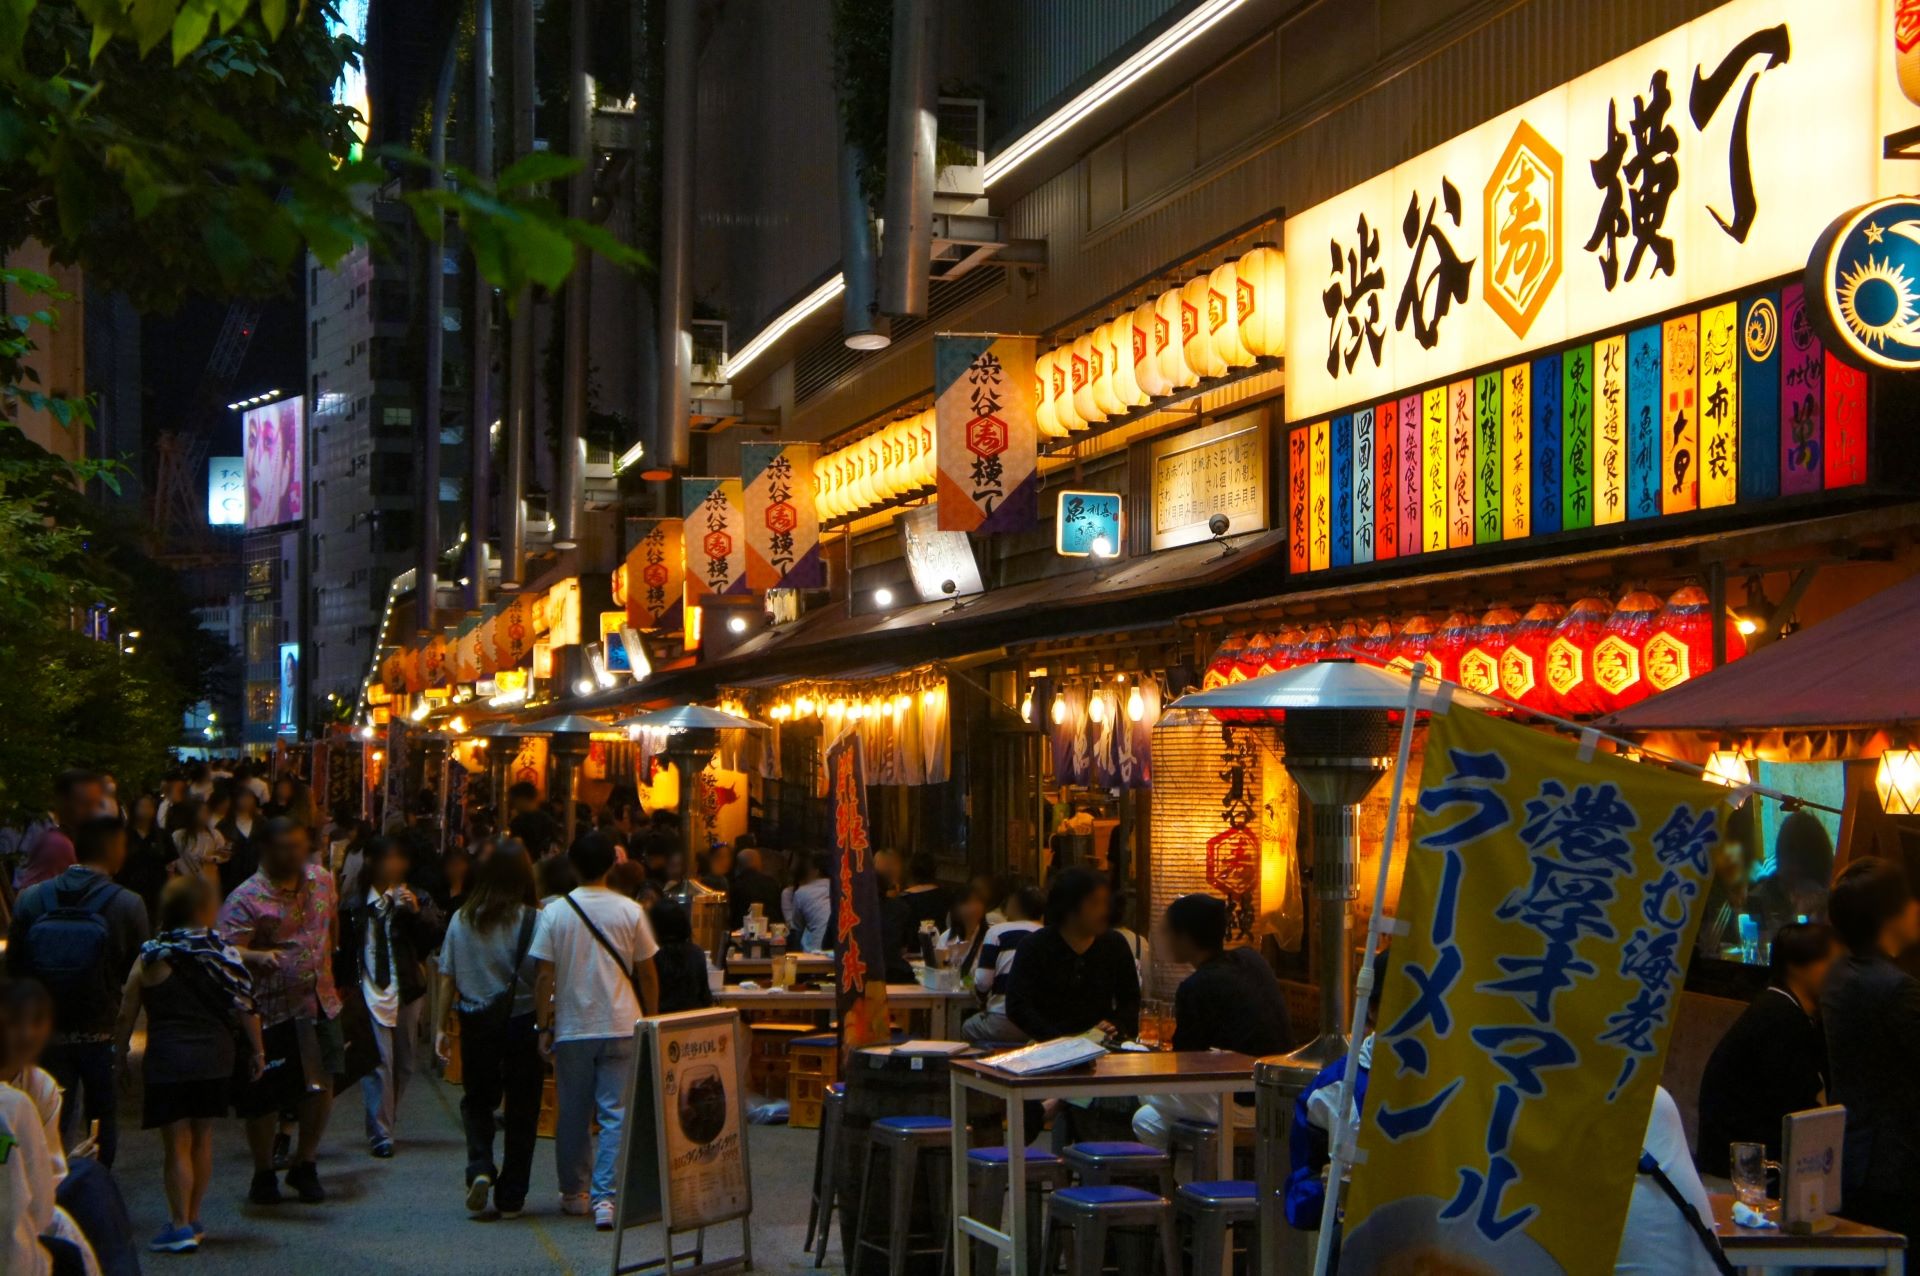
590 1079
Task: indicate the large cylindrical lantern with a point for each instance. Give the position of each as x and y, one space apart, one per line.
1523 665
1223 316
1122 359
899 469
1316 646
1081 365
1570 657
1682 645
1146 353
1060 374
1619 660
1167 332
1196 341
1450 643
1349 637
1413 645
1377 647
1284 651
1480 662
1251 662
1263 301
1044 416
910 455
823 487
1101 370
1221 667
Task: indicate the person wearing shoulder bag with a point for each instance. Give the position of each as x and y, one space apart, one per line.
594 977
486 990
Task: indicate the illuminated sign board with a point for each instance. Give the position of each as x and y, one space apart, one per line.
1087 524
226 491
275 462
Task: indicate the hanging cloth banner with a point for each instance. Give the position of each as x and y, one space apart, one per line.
986 436
466 650
859 948
1552 903
715 536
436 663
656 574
394 791
513 633
783 524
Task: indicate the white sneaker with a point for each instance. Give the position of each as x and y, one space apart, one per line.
477 1193
603 1215
577 1206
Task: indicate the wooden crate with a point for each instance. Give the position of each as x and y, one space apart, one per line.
813 1065
767 1062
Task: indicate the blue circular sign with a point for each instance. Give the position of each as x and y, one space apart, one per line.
1863 285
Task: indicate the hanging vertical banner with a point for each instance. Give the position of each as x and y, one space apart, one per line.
1802 395
1760 399
1576 439
318 778
1386 481
1363 494
1680 428
393 793
1846 414
1460 473
1319 507
783 523
513 633
466 650
1552 903
987 437
715 536
1609 431
1434 451
859 948
656 574
1297 489
1486 458
436 663
1516 445
1644 370
1719 406
1340 490
1548 464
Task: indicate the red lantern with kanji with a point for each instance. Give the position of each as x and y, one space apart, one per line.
1569 664
1450 643
1416 637
1316 646
1523 665
1377 648
1682 643
1222 663
1252 656
1284 651
1480 662
1619 662
1347 639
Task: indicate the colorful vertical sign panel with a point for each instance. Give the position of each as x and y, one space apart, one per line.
1319 508
1576 438
1460 477
715 536
1363 497
1386 481
1297 502
1846 422
1802 398
1487 423
1680 421
1408 458
1719 406
987 437
1516 452
656 574
1760 398
783 521
1434 483
1609 431
1340 489
1644 372
1546 445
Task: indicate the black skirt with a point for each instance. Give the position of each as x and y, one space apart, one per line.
171 1101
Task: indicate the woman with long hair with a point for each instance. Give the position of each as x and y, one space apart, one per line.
198 848
149 850
486 979
966 930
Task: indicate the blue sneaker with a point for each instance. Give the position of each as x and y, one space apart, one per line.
174 1240
199 1229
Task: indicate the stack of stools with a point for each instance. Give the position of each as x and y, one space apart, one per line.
826 1150
912 1144
1199 1142
1215 1214
1107 1199
988 1174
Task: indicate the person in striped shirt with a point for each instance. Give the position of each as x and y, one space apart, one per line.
1002 944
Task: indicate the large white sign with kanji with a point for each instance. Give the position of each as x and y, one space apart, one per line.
1703 162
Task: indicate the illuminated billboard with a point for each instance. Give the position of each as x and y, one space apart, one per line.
275 465
226 491
289 707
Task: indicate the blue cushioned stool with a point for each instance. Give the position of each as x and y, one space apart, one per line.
906 1141
1091 1214
1101 1164
826 1150
1213 1212
987 1180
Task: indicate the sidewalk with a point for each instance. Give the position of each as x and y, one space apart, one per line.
407 1215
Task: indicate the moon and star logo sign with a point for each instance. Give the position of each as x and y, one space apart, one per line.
1865 276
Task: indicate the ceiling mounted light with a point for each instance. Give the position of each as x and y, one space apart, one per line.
883 597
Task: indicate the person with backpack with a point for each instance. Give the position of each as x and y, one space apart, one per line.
486 979
78 934
593 966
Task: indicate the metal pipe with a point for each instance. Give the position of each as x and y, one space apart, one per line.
861 323
912 134
480 324
671 453
426 576
513 535
573 389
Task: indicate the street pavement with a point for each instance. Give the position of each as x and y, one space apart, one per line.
408 1214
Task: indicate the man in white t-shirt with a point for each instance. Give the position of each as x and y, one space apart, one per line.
990 976
593 953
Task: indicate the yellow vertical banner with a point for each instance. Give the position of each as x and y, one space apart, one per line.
1433 469
1609 431
1319 510
1719 406
1680 419
1516 453
1551 902
1460 476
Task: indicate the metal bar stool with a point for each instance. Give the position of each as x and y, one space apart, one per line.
826 1150
987 1192
1199 1142
1212 1211
1102 1164
906 1140
1091 1212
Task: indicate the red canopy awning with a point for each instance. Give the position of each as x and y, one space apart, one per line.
1853 670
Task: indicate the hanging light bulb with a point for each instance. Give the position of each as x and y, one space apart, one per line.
1026 706
1059 712
1097 707
1136 706
929 697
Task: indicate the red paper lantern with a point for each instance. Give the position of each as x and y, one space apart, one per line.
1316 646
1252 656
1682 644
1480 662
1523 665
1223 662
1450 643
1284 652
1377 648
1348 639
1569 667
1416 637
1619 666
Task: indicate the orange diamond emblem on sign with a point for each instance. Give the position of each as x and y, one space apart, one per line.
1666 662
1522 214
1479 671
1566 668
1616 665
1516 673
781 517
1233 861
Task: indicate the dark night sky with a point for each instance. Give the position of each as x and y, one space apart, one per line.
174 354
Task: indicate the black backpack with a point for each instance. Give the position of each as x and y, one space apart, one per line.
67 951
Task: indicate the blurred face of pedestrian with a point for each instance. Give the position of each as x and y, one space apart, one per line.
285 854
25 1035
1094 913
85 800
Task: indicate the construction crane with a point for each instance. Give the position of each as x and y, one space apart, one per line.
179 514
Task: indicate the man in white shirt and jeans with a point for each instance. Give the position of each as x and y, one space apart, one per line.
592 951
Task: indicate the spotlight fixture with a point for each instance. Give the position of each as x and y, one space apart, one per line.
883 597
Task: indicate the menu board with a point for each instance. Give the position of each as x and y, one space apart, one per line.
1219 468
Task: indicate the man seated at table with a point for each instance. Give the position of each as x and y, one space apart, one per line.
1231 1001
1074 974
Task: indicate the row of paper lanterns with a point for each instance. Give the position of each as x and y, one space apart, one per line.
1594 657
1219 321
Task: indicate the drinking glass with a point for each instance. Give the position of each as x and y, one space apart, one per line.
1750 1167
1150 1023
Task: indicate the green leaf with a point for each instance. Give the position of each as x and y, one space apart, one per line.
547 252
537 167
273 13
190 28
152 20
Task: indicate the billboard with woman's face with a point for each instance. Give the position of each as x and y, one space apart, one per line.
276 472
